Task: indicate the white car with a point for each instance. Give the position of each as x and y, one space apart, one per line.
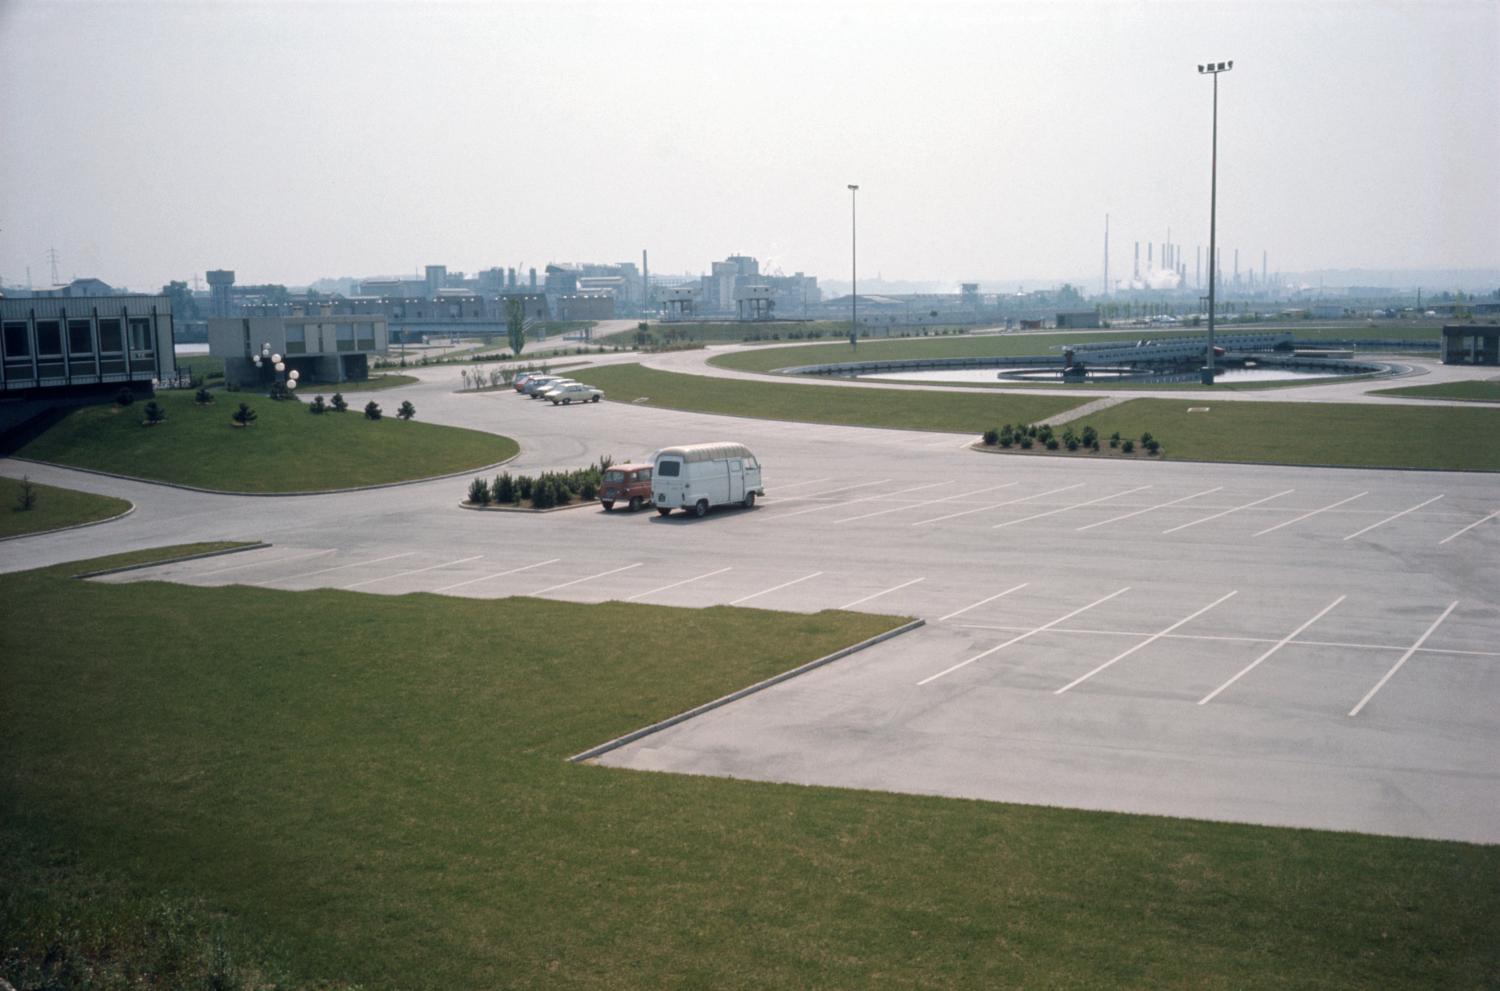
572 392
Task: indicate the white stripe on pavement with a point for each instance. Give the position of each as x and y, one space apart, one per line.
1468 528
1226 512
640 595
1397 516
256 564
324 571
920 505
1277 646
579 581
851 502
1144 643
1414 648
1015 588
416 571
1305 516
774 588
1064 509
997 505
1148 509
498 574
877 595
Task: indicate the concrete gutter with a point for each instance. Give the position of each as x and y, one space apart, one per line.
683 717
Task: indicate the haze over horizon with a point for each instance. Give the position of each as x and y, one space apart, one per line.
290 142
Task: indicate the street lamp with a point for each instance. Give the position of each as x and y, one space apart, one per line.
266 359
853 266
1213 69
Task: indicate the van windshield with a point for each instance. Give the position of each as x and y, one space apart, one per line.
614 476
669 469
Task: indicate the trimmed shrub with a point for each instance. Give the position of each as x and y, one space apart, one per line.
1146 439
1026 442
372 410
524 485
542 494
1090 438
338 403
1153 445
504 488
479 492
407 410
1070 442
124 397
991 437
317 405
1127 445
1051 443
154 414
244 416
203 397
26 497
1114 439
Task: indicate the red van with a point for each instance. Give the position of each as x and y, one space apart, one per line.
626 483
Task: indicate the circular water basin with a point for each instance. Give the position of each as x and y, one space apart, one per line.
1262 373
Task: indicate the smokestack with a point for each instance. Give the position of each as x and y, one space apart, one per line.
1198 268
645 281
1106 254
1263 269
1150 256
1137 274
1236 266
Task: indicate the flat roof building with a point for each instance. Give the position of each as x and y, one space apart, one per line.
323 348
85 344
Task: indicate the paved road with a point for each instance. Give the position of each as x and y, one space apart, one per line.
1280 645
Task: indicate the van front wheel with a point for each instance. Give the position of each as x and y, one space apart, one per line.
749 501
663 510
700 508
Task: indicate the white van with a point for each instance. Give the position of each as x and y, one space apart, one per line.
698 476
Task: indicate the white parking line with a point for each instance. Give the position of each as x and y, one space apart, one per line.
578 581
997 505
879 594
1081 631
1277 646
851 502
1162 505
1226 512
498 574
256 564
639 595
1397 667
1064 509
1144 643
774 588
1403 512
981 602
324 571
415 571
920 505
1305 516
1023 636
1468 528
841 488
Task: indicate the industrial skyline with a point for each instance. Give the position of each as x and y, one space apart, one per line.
293 142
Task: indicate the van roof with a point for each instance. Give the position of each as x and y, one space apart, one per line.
706 452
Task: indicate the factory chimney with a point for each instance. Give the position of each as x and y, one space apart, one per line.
1106 254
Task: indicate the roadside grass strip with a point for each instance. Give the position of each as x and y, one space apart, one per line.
54 508
1480 391
374 791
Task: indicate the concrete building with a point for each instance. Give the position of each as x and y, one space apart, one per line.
220 288
322 347
1471 344
85 344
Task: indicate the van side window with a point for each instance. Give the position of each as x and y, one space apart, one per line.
644 474
736 465
669 469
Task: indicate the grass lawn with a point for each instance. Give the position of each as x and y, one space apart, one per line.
374 382
814 404
285 450
1348 434
54 508
375 791
1007 345
1485 391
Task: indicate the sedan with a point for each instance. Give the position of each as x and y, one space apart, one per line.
573 392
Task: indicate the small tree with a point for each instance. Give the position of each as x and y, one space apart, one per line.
524 486
515 325
154 414
1153 445
542 494
407 410
1127 445
203 397
991 437
124 397
26 496
317 405
372 410
244 416
504 488
338 403
479 492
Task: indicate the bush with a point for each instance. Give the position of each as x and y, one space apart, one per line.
542 494
317 405
203 397
524 486
1114 439
1095 446
504 489
154 413
1090 437
124 397
26 497
372 410
1026 442
1127 445
244 416
589 490
991 437
1070 442
1146 439
407 410
479 492
1051 443
1153 445
338 403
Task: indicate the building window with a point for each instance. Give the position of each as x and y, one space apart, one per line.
48 338
80 337
296 339
365 332
109 336
17 341
346 337
140 335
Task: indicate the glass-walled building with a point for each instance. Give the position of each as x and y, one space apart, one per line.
83 344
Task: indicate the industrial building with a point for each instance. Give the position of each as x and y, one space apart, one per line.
323 347
1471 344
85 344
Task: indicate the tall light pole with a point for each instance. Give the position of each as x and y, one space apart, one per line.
853 266
1213 69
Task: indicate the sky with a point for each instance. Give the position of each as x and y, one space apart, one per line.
146 142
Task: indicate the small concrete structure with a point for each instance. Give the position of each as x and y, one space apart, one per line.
755 302
1471 344
323 348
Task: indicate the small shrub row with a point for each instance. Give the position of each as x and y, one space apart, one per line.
1027 435
549 489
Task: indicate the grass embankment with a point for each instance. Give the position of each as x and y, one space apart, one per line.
908 409
54 508
1485 391
1344 434
380 793
285 450
1016 345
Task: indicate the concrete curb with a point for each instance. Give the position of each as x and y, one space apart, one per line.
522 509
74 526
735 696
257 546
980 448
269 495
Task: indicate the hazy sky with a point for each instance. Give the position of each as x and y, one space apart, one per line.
152 141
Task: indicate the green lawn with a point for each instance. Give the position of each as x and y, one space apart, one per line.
376 382
1009 345
53 508
909 409
1486 391
373 789
1346 434
285 450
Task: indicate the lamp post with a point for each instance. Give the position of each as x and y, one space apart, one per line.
853 266
267 359
1213 69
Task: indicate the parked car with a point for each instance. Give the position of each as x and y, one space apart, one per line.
700 476
628 483
538 384
572 392
519 382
